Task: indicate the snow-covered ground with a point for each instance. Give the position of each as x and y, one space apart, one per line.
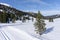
25 31
14 31
53 30
11 33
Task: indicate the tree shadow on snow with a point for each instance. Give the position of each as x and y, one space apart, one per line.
48 30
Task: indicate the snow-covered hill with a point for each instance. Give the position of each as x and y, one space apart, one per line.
5 4
25 31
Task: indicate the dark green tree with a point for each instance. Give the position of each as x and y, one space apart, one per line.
0 17
50 19
39 24
23 19
12 17
3 16
32 19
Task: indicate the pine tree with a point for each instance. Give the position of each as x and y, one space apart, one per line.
50 19
32 19
4 17
23 19
7 17
39 24
13 20
0 17
13 17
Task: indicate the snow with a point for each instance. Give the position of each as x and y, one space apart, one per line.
5 4
1 10
12 33
25 31
54 34
16 34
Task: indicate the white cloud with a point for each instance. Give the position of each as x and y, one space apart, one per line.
45 12
50 12
35 1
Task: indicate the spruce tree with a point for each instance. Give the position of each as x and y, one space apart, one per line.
32 19
0 17
23 18
13 17
50 19
4 17
13 20
39 24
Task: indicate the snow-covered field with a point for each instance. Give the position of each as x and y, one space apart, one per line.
16 31
53 30
25 31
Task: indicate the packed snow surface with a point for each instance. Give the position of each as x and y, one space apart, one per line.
25 31
9 32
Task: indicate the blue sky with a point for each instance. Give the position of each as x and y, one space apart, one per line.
45 6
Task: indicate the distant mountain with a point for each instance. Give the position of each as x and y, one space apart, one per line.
9 9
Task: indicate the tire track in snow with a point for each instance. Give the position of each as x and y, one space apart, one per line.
4 35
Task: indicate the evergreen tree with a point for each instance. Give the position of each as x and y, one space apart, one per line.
23 19
13 17
39 24
13 20
50 19
0 17
4 17
7 17
32 19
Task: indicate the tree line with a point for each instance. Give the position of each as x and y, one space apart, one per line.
10 17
